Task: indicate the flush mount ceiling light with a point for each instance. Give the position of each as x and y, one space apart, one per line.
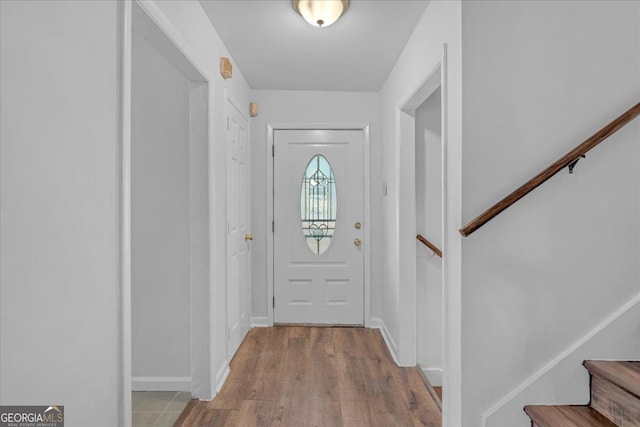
321 13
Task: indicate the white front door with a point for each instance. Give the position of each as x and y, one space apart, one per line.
238 217
318 226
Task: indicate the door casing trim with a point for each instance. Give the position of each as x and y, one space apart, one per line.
205 354
437 74
364 127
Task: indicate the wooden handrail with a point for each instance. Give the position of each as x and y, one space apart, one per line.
429 245
569 159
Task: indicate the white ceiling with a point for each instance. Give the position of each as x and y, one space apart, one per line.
277 49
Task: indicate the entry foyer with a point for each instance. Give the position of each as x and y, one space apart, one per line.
180 179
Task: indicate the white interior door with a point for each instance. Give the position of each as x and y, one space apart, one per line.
238 237
318 226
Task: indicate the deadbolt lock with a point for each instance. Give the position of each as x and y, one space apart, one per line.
357 225
248 237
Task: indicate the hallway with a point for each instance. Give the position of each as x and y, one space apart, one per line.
295 376
175 173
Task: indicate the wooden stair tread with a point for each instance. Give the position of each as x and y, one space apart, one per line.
566 416
625 375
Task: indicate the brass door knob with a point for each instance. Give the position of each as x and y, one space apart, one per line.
248 237
357 241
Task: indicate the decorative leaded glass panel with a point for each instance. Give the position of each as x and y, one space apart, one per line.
318 204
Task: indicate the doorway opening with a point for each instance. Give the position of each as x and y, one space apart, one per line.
168 213
425 331
429 202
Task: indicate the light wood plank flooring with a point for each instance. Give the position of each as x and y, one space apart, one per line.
312 376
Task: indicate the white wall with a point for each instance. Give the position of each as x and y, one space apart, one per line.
204 47
439 24
59 196
550 387
311 107
428 164
161 261
539 78
60 200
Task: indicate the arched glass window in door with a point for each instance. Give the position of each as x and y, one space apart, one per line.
318 204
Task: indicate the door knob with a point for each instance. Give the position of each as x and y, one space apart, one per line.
357 241
248 237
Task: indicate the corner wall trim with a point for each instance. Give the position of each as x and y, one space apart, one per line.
259 322
434 375
378 323
161 384
221 376
559 358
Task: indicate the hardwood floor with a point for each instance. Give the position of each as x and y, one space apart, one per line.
314 376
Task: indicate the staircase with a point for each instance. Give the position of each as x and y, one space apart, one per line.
615 400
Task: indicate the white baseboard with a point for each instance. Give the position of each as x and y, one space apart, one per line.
375 323
259 322
161 384
221 376
434 375
378 323
559 358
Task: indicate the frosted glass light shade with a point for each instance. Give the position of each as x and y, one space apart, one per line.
321 13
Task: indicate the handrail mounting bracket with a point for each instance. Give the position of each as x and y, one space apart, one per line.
575 162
